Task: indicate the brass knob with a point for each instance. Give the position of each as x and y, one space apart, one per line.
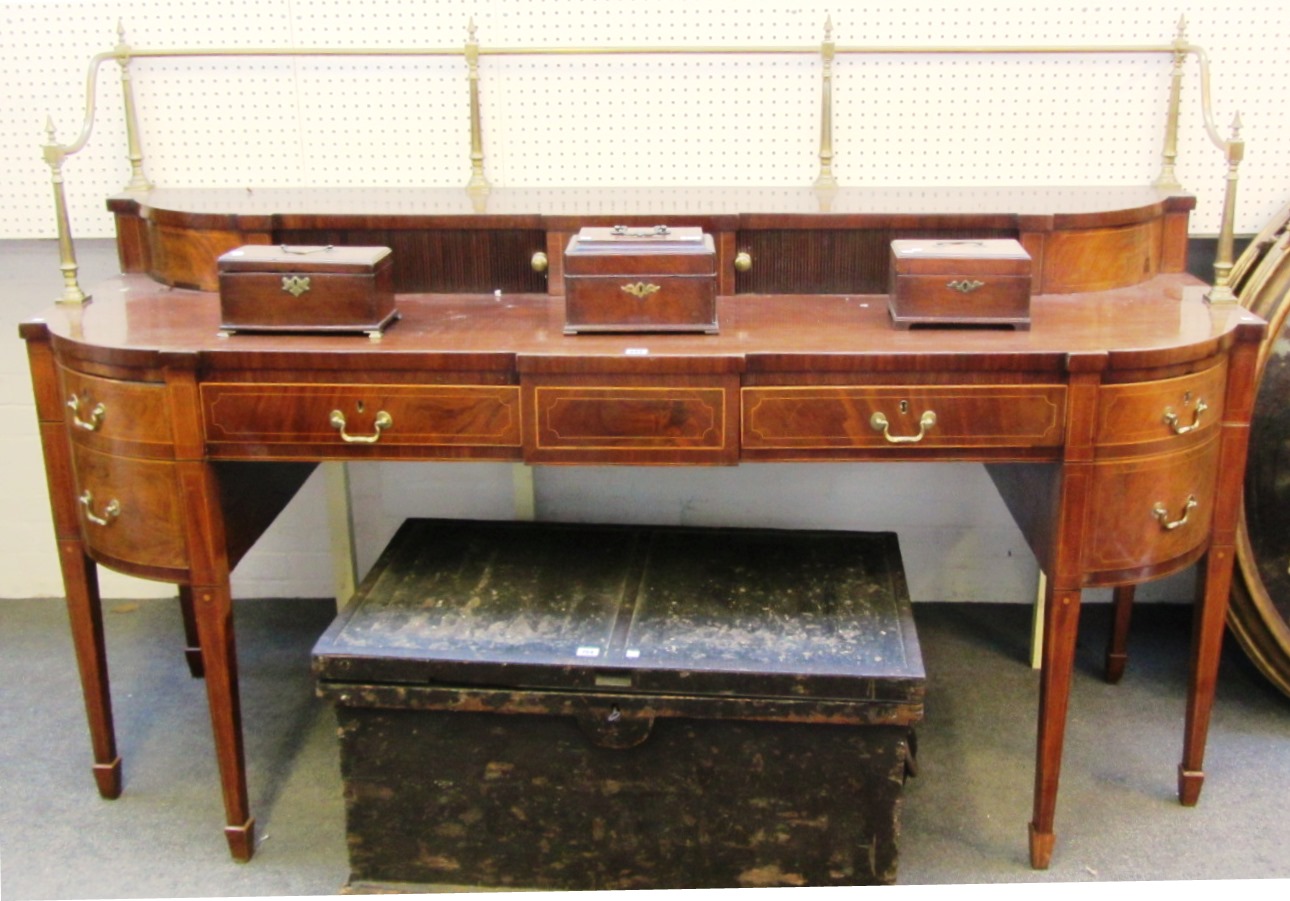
743 261
539 262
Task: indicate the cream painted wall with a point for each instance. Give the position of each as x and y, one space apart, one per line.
742 120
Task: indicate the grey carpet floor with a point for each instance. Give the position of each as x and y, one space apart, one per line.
964 814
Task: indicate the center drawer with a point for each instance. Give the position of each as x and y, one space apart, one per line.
682 420
267 419
834 420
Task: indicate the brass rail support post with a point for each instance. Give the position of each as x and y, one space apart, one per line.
1222 291
826 178
478 181
55 153
138 181
1168 178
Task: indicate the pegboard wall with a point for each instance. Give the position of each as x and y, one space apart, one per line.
748 119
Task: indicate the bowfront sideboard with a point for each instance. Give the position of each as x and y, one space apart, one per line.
1115 428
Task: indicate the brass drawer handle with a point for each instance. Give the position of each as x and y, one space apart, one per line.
1162 515
878 422
383 421
97 412
110 512
743 261
539 262
641 290
1171 419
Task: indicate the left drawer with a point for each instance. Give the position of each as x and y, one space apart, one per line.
130 512
118 416
265 419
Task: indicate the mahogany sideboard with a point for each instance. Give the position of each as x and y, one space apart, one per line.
1115 428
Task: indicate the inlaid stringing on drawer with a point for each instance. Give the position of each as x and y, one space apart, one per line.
1151 509
627 418
126 417
969 415
131 509
1144 412
482 416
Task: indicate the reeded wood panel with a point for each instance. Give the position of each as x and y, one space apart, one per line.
247 415
445 260
631 424
1145 412
829 261
130 511
1134 503
117 416
965 416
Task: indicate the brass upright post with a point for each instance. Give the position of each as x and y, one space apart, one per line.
478 181
55 153
826 178
1168 178
138 181
1222 291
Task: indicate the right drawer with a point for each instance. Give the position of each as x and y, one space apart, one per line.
965 416
1143 413
1152 509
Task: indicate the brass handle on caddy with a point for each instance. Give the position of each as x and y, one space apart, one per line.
110 512
383 421
878 422
97 412
1162 514
1171 419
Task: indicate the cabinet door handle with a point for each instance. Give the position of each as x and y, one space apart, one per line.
1162 514
1171 419
383 421
97 412
878 422
110 512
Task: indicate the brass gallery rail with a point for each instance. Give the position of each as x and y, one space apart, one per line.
1180 49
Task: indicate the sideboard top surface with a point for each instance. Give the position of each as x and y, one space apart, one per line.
670 201
1165 321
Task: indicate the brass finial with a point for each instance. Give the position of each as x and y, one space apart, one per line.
1182 29
470 29
122 49
49 129
1236 127
828 27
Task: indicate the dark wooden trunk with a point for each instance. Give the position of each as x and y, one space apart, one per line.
605 707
